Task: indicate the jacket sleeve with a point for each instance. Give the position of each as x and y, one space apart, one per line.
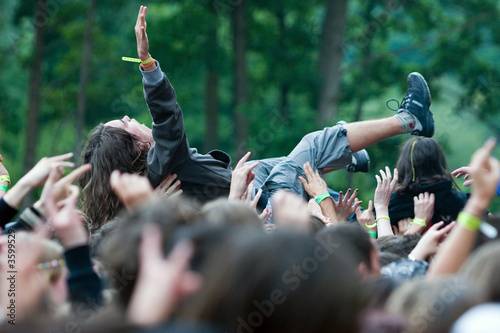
83 283
7 213
168 126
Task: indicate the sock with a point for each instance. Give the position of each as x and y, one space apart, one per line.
408 122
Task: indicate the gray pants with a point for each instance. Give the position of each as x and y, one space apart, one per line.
328 148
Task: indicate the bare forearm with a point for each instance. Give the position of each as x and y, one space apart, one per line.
458 246
328 210
383 224
15 196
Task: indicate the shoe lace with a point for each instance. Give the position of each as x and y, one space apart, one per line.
403 104
392 100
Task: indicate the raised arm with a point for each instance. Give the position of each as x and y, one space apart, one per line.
142 41
385 186
484 171
168 126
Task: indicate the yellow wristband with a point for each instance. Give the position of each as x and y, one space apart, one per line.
147 61
384 217
469 221
419 222
369 226
5 178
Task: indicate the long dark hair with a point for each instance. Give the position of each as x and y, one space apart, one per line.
422 161
107 149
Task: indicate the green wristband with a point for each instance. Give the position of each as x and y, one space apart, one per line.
419 222
3 187
322 197
372 234
469 221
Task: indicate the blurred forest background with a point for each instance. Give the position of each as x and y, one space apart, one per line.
250 75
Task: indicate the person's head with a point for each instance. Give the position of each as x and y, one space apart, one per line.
140 132
107 149
282 282
120 251
223 212
98 238
422 161
357 241
39 285
399 245
483 269
316 224
377 291
385 258
433 305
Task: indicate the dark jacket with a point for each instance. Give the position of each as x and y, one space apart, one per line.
204 177
448 202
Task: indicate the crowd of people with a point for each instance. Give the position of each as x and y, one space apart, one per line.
157 237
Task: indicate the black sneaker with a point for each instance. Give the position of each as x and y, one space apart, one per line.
360 162
417 102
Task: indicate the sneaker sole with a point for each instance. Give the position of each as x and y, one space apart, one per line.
430 121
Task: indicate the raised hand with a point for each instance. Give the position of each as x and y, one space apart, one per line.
314 185
60 188
424 206
241 178
66 219
484 171
162 282
344 207
464 171
290 211
133 190
36 177
385 187
141 35
429 243
169 187
367 217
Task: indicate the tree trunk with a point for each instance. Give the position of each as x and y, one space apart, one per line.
363 95
211 86
84 76
240 80
330 59
284 84
40 22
